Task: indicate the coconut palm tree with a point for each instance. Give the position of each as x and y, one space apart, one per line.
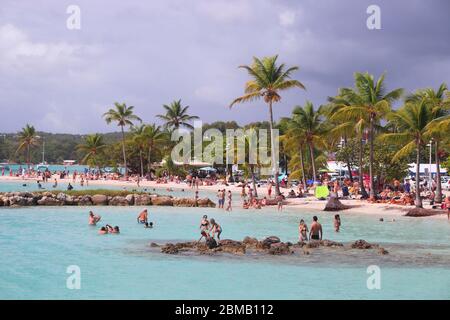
311 122
370 102
176 116
267 81
155 138
123 116
410 123
27 139
139 140
92 147
295 139
440 107
349 127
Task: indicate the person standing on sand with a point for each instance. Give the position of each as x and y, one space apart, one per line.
447 205
316 230
337 223
269 189
229 201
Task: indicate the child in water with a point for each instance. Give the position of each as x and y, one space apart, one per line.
337 223
148 225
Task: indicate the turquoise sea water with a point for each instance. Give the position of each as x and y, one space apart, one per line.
31 185
38 244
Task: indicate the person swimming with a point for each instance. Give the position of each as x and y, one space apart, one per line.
215 229
143 216
337 223
103 230
303 231
69 187
93 219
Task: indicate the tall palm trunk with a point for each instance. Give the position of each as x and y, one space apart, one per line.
303 168
349 167
272 145
252 172
124 153
438 198
142 163
364 194
149 163
28 156
418 198
313 164
371 156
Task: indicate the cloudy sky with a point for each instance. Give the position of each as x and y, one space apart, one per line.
149 53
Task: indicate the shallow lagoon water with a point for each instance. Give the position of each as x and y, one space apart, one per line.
38 244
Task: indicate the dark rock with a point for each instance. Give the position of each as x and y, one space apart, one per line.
333 204
169 248
362 244
421 212
99 200
162 201
382 251
279 248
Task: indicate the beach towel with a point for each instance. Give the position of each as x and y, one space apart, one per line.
322 192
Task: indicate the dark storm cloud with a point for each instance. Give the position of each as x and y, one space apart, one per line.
150 53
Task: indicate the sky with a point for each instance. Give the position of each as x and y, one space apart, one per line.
150 53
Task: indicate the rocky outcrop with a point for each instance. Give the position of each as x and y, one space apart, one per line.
20 199
142 200
421 212
162 201
99 200
333 204
268 246
362 244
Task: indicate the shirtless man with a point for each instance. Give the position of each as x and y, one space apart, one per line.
93 219
143 216
315 232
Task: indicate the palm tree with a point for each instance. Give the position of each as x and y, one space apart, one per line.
268 79
370 102
154 138
311 123
92 148
440 107
348 127
140 142
176 116
123 116
411 123
27 139
295 139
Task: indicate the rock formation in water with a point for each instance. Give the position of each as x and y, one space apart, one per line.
19 199
269 246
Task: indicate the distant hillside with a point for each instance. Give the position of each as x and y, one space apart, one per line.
58 147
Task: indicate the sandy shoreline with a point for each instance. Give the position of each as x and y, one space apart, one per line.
310 203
